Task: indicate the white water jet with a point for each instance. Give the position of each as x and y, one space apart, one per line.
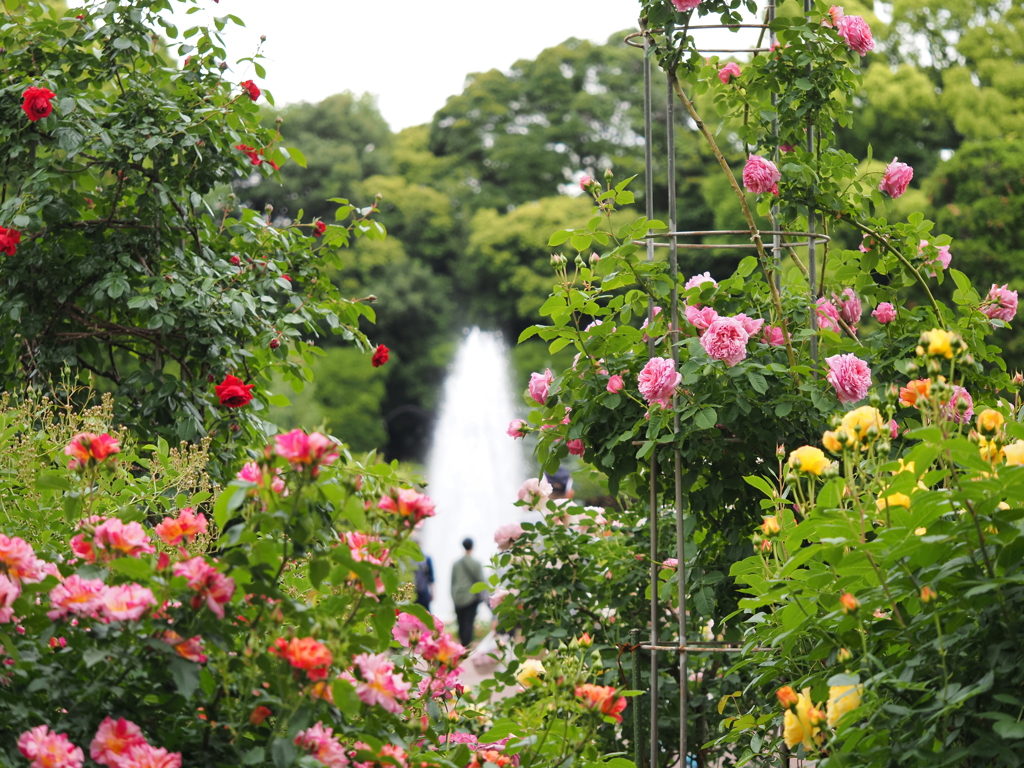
475 468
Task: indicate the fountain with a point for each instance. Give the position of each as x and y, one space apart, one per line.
474 468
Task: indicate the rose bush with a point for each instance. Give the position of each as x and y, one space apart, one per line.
747 400
128 257
146 620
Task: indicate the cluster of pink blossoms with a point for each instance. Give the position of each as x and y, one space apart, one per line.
540 385
850 376
18 564
252 472
104 539
408 504
378 684
321 743
118 744
76 597
1000 303
208 583
87 449
761 175
174 531
434 645
658 381
306 451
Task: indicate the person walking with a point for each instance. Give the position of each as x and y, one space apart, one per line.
466 572
423 580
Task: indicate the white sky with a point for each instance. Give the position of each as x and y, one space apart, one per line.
413 55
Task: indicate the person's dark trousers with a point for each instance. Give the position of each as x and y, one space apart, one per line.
466 615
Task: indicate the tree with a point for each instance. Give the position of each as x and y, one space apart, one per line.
134 266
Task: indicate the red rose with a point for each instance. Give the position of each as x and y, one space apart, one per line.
251 87
380 356
9 239
235 260
37 103
319 227
233 393
253 154
275 343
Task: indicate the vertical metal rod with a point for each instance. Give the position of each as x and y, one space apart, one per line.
673 255
812 256
776 238
638 749
653 467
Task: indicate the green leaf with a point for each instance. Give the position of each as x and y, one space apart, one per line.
185 674
581 242
132 567
53 480
345 697
1009 730
757 381
559 237
92 656
254 756
705 418
283 752
318 570
281 401
230 499
296 154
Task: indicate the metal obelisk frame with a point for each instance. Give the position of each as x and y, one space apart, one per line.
675 240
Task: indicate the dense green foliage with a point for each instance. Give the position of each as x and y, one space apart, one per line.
454 192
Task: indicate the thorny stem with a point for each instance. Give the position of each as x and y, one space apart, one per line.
755 235
903 260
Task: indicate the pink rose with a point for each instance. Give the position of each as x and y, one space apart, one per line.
575 447
786 148
897 177
113 740
9 592
698 280
1000 304
147 756
951 408
894 428
761 175
585 181
126 602
725 340
540 383
728 72
535 492
516 428
857 34
850 376
506 534
943 258
685 5
658 381
615 384
885 313
672 562
76 596
750 324
47 749
835 13
773 336
700 318
828 315
850 308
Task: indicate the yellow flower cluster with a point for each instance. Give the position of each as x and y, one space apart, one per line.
858 429
809 460
802 720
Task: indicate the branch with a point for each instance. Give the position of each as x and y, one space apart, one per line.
755 235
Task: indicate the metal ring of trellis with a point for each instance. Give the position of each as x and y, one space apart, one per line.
631 37
806 238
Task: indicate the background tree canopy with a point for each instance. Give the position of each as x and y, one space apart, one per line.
467 243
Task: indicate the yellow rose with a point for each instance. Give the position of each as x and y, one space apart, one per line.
895 500
797 726
831 442
857 422
989 421
808 459
530 672
1014 453
841 699
988 449
907 467
939 343
770 526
